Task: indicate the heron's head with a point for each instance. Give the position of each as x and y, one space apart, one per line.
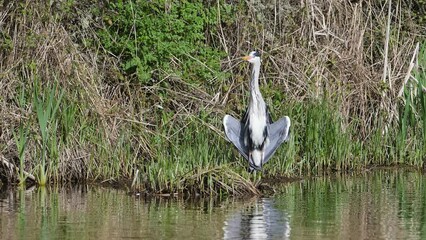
253 57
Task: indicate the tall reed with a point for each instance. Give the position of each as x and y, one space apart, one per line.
409 145
46 105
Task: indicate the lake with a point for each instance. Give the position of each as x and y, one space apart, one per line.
381 204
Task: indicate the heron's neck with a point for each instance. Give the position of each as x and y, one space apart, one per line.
254 84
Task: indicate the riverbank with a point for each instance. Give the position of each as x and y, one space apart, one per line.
135 93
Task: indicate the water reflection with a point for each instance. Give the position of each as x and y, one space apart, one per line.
387 204
379 205
258 220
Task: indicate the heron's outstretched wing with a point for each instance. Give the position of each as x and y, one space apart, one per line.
234 132
278 133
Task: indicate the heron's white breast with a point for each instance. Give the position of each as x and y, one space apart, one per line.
257 126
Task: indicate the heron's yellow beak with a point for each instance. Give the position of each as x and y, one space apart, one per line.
246 58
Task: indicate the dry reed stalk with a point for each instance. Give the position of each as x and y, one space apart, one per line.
410 69
234 183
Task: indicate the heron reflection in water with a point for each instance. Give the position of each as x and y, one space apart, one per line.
256 136
261 220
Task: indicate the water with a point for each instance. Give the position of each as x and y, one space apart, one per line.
378 205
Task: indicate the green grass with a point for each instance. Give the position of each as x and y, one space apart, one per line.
46 105
196 160
21 142
319 141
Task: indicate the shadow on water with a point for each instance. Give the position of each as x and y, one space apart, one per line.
378 205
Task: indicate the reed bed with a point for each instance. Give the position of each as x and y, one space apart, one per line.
78 103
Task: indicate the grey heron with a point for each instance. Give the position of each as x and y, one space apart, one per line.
256 136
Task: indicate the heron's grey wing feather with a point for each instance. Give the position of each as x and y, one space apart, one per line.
278 133
234 132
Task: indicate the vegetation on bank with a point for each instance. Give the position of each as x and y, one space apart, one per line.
135 91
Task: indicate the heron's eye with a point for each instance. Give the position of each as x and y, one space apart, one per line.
256 54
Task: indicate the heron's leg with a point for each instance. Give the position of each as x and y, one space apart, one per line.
249 168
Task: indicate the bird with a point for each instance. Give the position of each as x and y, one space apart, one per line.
256 136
